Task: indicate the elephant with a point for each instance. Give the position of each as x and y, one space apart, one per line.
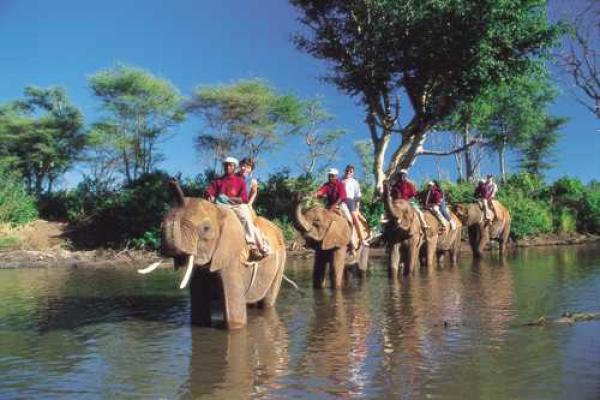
438 241
199 233
403 233
328 233
481 232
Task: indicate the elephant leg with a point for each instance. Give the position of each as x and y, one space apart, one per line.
431 247
320 264
273 292
201 289
393 259
483 242
412 253
338 263
454 250
234 308
504 240
474 239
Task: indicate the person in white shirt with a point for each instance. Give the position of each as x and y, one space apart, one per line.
353 199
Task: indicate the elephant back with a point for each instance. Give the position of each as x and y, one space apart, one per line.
502 221
445 239
265 271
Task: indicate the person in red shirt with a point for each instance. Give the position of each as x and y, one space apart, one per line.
434 201
405 189
230 191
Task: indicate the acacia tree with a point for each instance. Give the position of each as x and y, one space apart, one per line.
140 110
245 118
436 53
41 136
321 148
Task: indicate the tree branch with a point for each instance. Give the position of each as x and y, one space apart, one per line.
473 142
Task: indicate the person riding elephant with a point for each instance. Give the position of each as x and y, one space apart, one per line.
480 230
405 189
403 231
439 239
229 191
245 172
353 197
197 232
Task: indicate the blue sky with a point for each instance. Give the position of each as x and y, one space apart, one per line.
61 42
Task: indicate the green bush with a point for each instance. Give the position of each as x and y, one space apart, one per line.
565 220
287 227
529 216
16 206
590 213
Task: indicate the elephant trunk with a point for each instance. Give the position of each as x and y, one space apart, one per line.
303 224
387 201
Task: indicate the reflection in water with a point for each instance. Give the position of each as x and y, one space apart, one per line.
240 364
451 332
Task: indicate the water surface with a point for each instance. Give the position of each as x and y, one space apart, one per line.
452 332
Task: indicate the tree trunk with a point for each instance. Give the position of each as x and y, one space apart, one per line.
501 160
469 165
458 159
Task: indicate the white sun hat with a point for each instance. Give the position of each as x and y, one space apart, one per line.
332 171
404 171
231 160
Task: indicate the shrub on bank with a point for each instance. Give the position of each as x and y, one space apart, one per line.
16 206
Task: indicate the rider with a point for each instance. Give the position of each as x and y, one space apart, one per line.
434 201
405 189
229 191
334 193
246 169
352 201
490 194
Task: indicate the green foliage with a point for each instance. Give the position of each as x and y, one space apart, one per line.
16 206
130 216
287 227
530 217
245 118
371 207
439 53
140 109
278 194
565 220
590 215
41 136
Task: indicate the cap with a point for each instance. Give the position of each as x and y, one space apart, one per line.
230 160
482 181
430 183
403 171
332 171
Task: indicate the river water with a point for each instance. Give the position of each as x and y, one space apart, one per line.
453 332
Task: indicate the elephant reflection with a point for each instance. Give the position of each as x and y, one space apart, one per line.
239 364
337 341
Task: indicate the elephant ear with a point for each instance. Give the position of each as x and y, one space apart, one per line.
231 246
336 236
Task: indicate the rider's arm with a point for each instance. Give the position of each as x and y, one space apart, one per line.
253 192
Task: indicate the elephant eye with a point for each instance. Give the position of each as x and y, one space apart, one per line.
205 229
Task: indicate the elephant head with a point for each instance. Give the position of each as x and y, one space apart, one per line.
196 232
319 225
399 210
468 214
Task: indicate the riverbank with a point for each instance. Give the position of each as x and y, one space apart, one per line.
43 244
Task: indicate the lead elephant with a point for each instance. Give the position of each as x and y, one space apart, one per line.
328 233
200 234
481 232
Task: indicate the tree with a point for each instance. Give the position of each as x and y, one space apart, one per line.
141 108
536 151
364 149
581 57
437 53
41 136
513 112
245 118
321 149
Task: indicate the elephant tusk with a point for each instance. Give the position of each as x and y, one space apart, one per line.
149 268
188 272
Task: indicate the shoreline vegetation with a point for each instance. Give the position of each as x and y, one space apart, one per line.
87 225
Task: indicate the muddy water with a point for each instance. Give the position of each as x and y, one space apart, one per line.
449 333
